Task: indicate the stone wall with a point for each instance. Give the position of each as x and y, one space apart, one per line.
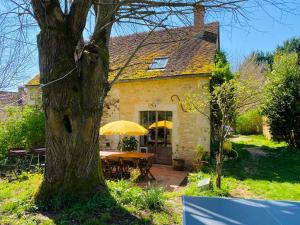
189 129
127 99
33 95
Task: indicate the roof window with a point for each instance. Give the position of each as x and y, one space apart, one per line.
159 63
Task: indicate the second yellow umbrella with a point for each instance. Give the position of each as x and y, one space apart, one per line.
162 123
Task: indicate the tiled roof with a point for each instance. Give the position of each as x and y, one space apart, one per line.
34 81
10 98
188 53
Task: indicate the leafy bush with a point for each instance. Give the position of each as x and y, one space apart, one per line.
23 128
126 193
128 144
282 107
153 198
249 123
202 153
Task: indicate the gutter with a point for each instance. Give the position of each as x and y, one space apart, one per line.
203 75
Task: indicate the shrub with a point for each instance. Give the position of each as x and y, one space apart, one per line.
249 123
126 193
23 128
153 198
202 153
128 144
283 94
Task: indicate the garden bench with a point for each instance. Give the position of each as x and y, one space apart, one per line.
17 159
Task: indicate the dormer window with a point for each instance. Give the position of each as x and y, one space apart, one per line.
159 63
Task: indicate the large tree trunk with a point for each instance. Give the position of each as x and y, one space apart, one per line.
73 109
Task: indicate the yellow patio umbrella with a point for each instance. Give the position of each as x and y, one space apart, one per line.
123 127
162 123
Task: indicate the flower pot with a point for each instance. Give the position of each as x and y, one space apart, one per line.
178 164
199 165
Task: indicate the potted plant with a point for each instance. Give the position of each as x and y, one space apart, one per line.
128 144
201 158
178 163
229 152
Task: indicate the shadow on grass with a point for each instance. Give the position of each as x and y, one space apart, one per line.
280 164
101 209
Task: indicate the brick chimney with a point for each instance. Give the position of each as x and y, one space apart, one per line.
199 12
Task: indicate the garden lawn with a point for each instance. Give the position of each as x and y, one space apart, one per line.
126 204
273 175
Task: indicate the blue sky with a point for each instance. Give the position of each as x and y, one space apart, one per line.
263 32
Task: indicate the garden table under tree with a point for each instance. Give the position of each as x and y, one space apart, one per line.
141 160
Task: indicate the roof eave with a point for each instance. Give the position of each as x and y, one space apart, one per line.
203 75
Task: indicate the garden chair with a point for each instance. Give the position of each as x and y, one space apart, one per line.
37 157
125 166
113 168
145 166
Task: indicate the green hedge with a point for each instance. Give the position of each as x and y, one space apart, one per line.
23 128
249 123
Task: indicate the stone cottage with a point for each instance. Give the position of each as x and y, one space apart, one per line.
170 64
9 98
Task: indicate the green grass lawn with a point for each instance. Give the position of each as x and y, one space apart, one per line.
272 176
126 203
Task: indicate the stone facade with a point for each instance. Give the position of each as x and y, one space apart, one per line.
127 99
33 95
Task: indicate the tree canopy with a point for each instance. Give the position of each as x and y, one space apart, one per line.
282 106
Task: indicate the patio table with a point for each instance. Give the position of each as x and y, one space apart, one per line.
141 160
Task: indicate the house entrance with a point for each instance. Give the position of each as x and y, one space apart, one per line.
159 139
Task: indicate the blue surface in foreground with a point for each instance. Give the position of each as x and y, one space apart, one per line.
217 211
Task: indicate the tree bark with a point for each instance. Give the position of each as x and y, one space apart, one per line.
73 110
219 160
218 170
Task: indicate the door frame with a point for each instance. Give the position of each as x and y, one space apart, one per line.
160 107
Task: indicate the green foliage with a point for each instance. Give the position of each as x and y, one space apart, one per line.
263 58
289 46
23 128
201 153
128 144
127 194
221 70
193 190
249 122
125 203
221 74
282 106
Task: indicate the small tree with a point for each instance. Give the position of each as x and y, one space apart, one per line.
283 96
221 73
227 100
